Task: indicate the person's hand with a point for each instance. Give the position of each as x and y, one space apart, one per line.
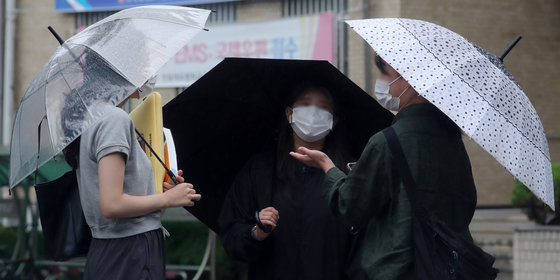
313 158
269 217
183 194
170 184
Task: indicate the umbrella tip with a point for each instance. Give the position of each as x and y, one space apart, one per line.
501 57
55 35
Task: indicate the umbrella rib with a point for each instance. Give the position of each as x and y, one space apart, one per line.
27 96
112 67
83 102
474 90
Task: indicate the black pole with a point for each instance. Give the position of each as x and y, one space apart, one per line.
56 35
501 57
59 39
169 172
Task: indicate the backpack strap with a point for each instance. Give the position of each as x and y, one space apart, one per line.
422 243
404 169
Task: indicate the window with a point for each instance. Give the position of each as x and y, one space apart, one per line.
84 20
223 12
339 8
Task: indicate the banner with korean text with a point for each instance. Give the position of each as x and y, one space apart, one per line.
309 37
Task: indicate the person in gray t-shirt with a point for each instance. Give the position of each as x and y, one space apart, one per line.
117 192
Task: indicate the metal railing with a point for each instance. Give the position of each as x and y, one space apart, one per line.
26 264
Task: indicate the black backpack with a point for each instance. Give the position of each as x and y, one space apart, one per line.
66 232
439 252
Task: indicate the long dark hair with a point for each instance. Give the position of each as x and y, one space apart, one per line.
334 147
72 153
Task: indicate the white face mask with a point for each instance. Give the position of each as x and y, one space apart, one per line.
147 88
311 123
385 99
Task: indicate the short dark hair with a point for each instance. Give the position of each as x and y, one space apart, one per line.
450 126
381 64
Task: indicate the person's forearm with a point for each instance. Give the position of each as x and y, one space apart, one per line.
365 192
240 245
127 206
113 201
340 199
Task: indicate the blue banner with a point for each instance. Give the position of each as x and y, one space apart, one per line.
111 5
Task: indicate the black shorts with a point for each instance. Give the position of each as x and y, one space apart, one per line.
140 256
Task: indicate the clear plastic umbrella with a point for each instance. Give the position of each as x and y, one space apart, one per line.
104 63
473 88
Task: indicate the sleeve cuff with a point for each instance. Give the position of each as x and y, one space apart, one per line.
112 149
331 177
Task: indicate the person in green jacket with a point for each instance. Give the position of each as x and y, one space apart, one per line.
372 195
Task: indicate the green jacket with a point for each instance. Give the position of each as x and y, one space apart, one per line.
372 196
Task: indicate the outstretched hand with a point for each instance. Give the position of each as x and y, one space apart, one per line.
313 158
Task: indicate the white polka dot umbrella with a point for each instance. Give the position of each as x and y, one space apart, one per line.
473 88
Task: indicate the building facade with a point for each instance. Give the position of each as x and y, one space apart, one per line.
490 24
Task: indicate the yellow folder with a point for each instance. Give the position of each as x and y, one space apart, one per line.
148 120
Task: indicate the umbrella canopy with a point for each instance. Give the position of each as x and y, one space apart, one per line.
473 88
234 111
106 62
47 172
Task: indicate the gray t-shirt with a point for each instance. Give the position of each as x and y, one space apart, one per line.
114 132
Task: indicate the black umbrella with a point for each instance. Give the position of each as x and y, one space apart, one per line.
234 111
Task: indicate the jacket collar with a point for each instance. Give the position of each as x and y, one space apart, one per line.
417 110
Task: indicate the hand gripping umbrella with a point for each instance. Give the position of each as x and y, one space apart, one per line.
104 63
473 88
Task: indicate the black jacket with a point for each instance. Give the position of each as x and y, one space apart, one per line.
308 242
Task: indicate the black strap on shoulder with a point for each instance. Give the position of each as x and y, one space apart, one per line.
404 169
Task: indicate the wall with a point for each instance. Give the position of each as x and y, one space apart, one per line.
490 24
34 42
536 253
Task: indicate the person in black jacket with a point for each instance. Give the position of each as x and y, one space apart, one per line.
295 236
